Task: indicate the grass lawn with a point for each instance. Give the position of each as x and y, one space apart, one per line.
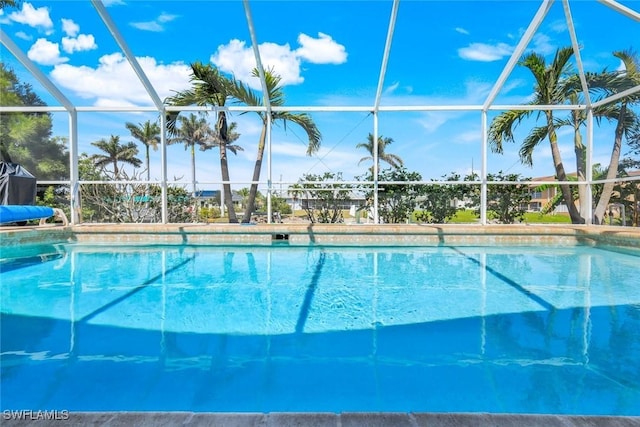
462 217
468 216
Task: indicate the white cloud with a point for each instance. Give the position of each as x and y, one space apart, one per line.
541 44
24 36
45 52
469 136
70 28
238 59
323 50
391 89
431 121
113 81
462 30
78 44
166 17
476 91
485 52
108 3
36 18
559 26
155 25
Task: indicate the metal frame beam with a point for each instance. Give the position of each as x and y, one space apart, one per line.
113 29
35 71
519 50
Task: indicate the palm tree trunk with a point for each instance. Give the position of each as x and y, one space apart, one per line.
581 167
612 172
560 172
226 188
193 169
148 170
253 190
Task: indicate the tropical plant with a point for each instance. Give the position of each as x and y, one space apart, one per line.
225 142
391 159
243 94
209 87
8 3
280 205
439 201
507 203
396 202
569 88
194 130
244 193
547 91
148 134
625 123
25 138
114 154
322 201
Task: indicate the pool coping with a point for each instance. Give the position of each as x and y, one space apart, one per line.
326 234
322 419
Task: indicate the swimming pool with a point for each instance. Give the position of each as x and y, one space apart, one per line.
527 329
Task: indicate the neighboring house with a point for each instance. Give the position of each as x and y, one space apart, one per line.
301 200
540 198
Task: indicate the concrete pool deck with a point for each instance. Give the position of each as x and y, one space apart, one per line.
284 419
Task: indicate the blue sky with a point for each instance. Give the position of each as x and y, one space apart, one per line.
328 54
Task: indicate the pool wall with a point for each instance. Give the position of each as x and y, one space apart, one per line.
326 234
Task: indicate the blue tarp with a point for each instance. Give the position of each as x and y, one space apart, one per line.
19 213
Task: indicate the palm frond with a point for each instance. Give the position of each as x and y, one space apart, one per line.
307 124
502 126
537 135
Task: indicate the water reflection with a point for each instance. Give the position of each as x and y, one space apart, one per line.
226 329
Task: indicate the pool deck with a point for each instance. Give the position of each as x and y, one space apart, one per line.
326 234
284 419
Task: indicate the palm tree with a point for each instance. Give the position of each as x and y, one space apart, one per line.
8 3
243 94
225 142
547 91
244 193
209 88
391 159
149 134
194 130
625 123
115 153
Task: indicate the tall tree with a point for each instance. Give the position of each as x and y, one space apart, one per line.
243 94
209 87
224 141
626 121
8 3
391 159
148 134
25 138
194 130
547 91
115 153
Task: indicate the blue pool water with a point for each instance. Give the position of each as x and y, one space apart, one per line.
442 329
